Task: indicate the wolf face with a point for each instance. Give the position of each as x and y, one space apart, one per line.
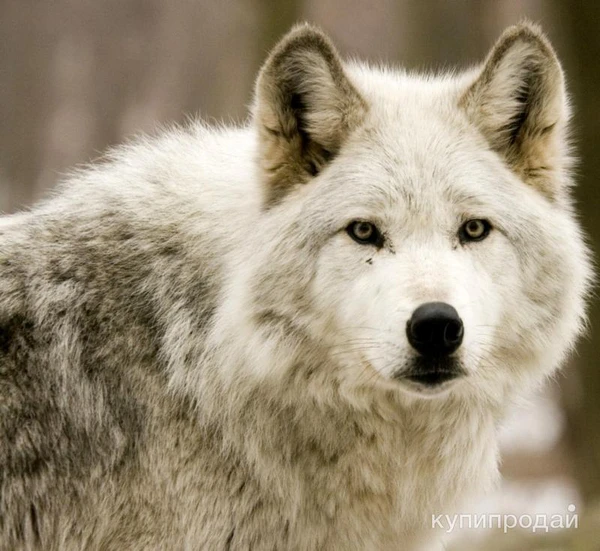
419 230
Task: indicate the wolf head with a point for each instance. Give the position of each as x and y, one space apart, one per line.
417 230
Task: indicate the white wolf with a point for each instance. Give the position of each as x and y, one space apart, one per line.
300 334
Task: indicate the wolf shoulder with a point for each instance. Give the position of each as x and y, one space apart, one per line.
183 194
136 237
94 282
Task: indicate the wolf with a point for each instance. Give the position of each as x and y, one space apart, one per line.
300 333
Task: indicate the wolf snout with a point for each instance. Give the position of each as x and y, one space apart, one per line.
435 330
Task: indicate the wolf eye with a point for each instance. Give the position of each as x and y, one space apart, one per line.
474 230
364 233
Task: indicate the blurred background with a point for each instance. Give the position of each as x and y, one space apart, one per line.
77 76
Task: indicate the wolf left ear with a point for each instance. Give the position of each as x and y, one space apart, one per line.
305 107
518 101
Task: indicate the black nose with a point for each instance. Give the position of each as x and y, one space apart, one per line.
435 329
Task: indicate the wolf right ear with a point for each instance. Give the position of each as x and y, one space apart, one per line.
519 103
305 107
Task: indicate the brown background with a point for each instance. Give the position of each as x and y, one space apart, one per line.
77 76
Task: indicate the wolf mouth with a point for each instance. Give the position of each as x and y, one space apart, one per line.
432 372
432 378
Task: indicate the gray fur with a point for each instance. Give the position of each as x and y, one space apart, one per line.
183 368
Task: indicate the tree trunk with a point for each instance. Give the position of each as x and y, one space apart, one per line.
582 21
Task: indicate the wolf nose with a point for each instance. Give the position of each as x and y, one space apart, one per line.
435 329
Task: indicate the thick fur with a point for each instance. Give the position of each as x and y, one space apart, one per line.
194 354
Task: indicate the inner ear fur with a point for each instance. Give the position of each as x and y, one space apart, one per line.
518 102
305 107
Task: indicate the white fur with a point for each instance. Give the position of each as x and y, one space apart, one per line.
299 369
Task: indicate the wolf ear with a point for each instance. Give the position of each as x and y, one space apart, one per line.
305 107
518 101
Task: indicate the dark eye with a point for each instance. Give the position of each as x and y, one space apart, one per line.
474 230
365 233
